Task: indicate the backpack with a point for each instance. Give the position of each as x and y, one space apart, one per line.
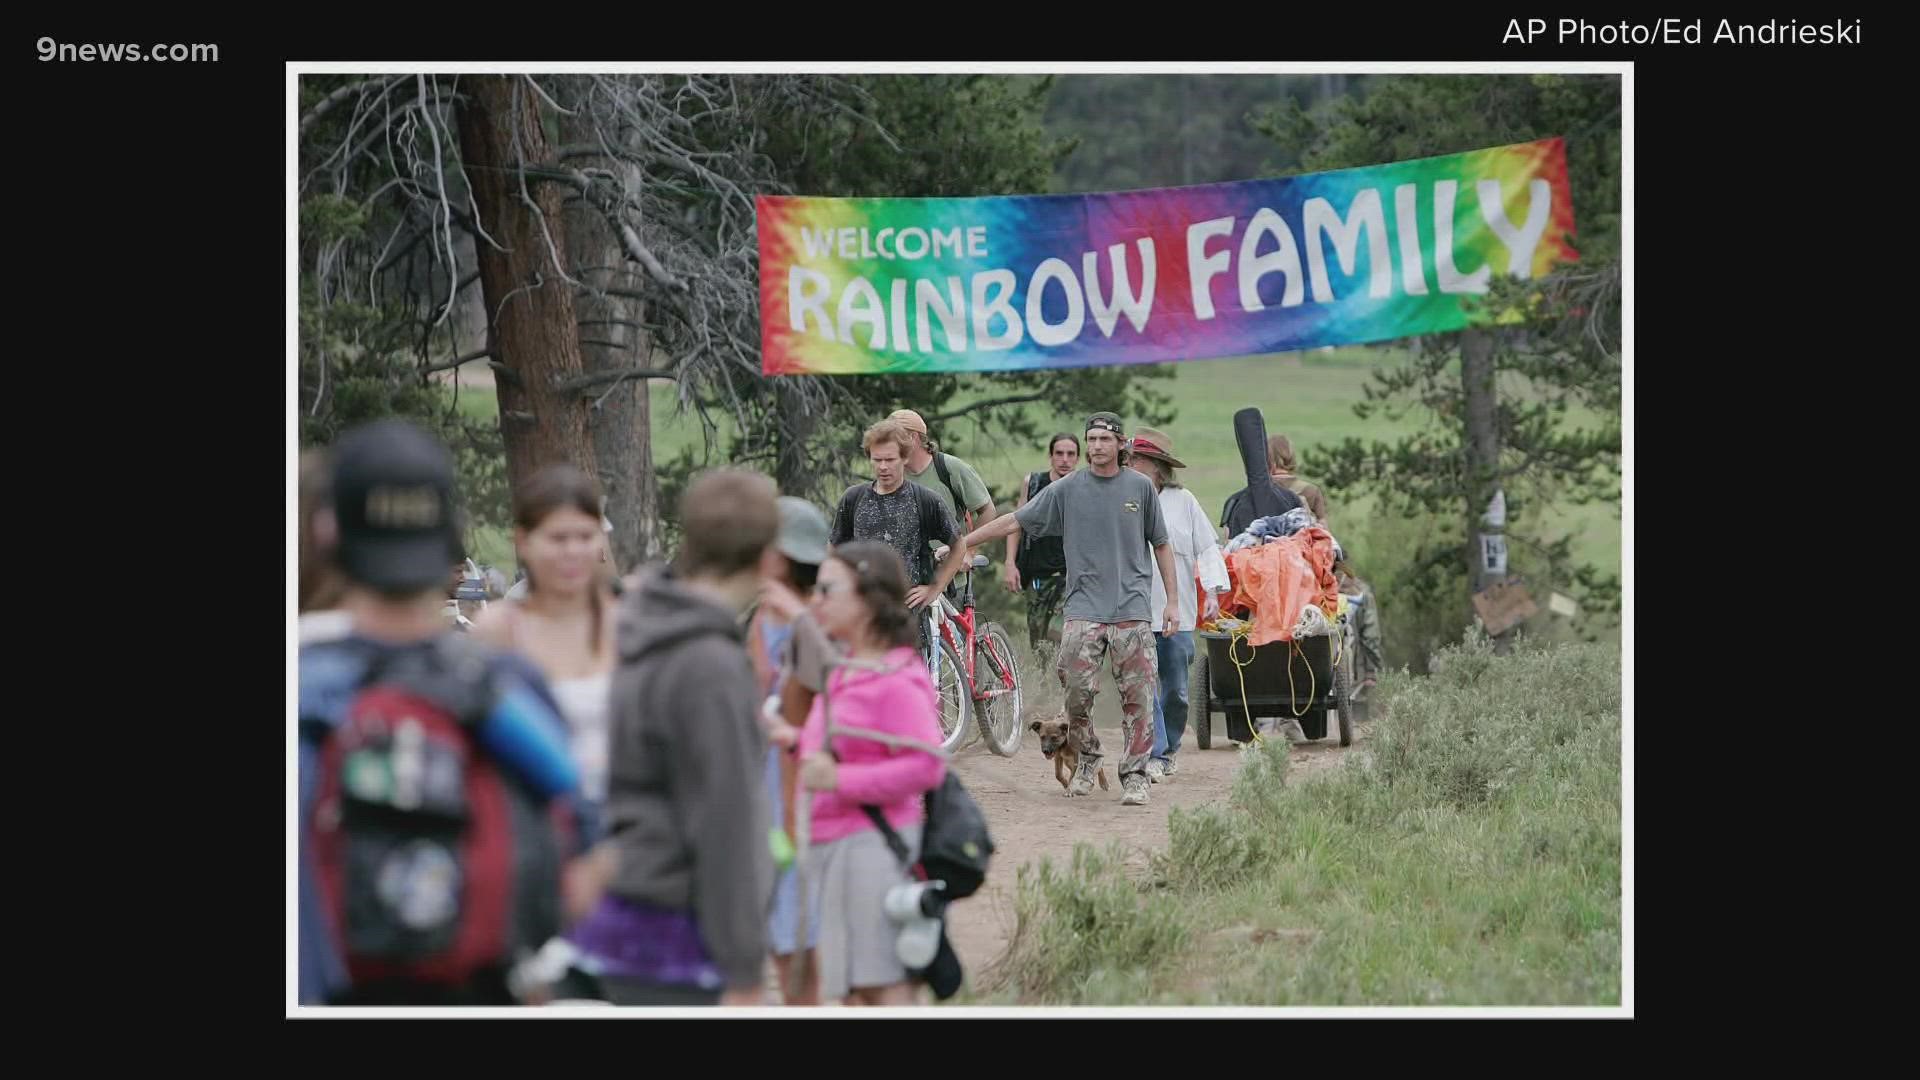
955 846
961 509
1039 556
435 864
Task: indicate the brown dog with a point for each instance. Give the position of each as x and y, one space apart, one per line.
1055 744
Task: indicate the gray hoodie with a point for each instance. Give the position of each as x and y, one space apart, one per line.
685 800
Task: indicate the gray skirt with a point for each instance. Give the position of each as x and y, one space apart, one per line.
847 879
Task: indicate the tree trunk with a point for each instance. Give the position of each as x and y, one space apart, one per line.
611 337
1482 445
529 305
793 473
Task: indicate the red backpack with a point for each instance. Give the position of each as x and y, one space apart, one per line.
435 864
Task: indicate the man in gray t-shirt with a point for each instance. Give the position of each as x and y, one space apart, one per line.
1110 524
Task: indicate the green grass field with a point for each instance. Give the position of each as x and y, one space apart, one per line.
1470 855
1308 396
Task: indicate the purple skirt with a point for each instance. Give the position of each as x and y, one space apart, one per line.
627 939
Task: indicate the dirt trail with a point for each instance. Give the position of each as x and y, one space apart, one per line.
1032 818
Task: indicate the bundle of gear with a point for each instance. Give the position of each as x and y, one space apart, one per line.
1282 580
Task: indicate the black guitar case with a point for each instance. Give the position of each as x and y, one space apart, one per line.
1264 498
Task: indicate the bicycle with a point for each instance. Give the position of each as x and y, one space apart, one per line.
957 645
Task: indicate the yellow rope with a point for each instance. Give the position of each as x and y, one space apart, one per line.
1313 682
1240 669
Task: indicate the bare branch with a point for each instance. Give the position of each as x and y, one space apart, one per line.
538 281
586 384
630 240
609 209
326 104
367 203
384 260
449 365
446 205
624 294
320 394
465 283
990 403
544 96
476 229
575 151
353 127
592 379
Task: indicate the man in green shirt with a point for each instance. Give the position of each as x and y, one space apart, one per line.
957 483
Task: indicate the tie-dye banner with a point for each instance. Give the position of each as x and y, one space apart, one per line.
857 286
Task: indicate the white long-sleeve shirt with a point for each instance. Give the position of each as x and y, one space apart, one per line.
1190 534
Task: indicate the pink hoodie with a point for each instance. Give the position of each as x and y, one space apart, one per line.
899 701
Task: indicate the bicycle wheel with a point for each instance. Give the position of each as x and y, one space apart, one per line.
956 701
994 665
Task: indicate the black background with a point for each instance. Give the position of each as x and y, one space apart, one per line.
151 215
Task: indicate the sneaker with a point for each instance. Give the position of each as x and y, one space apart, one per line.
1083 775
1156 769
1136 790
1171 764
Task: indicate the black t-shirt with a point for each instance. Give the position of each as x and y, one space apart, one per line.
905 520
1045 556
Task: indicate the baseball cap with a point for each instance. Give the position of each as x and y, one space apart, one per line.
393 497
803 531
1106 421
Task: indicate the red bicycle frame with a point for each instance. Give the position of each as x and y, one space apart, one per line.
964 616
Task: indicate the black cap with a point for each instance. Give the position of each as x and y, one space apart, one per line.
393 487
1105 421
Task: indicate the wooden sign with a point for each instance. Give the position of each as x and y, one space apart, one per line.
1504 605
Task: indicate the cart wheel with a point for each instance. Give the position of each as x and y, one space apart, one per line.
1343 704
1199 712
1353 668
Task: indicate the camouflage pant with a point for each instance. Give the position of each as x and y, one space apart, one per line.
1043 603
1135 669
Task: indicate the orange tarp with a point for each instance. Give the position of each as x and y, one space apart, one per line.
1275 581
